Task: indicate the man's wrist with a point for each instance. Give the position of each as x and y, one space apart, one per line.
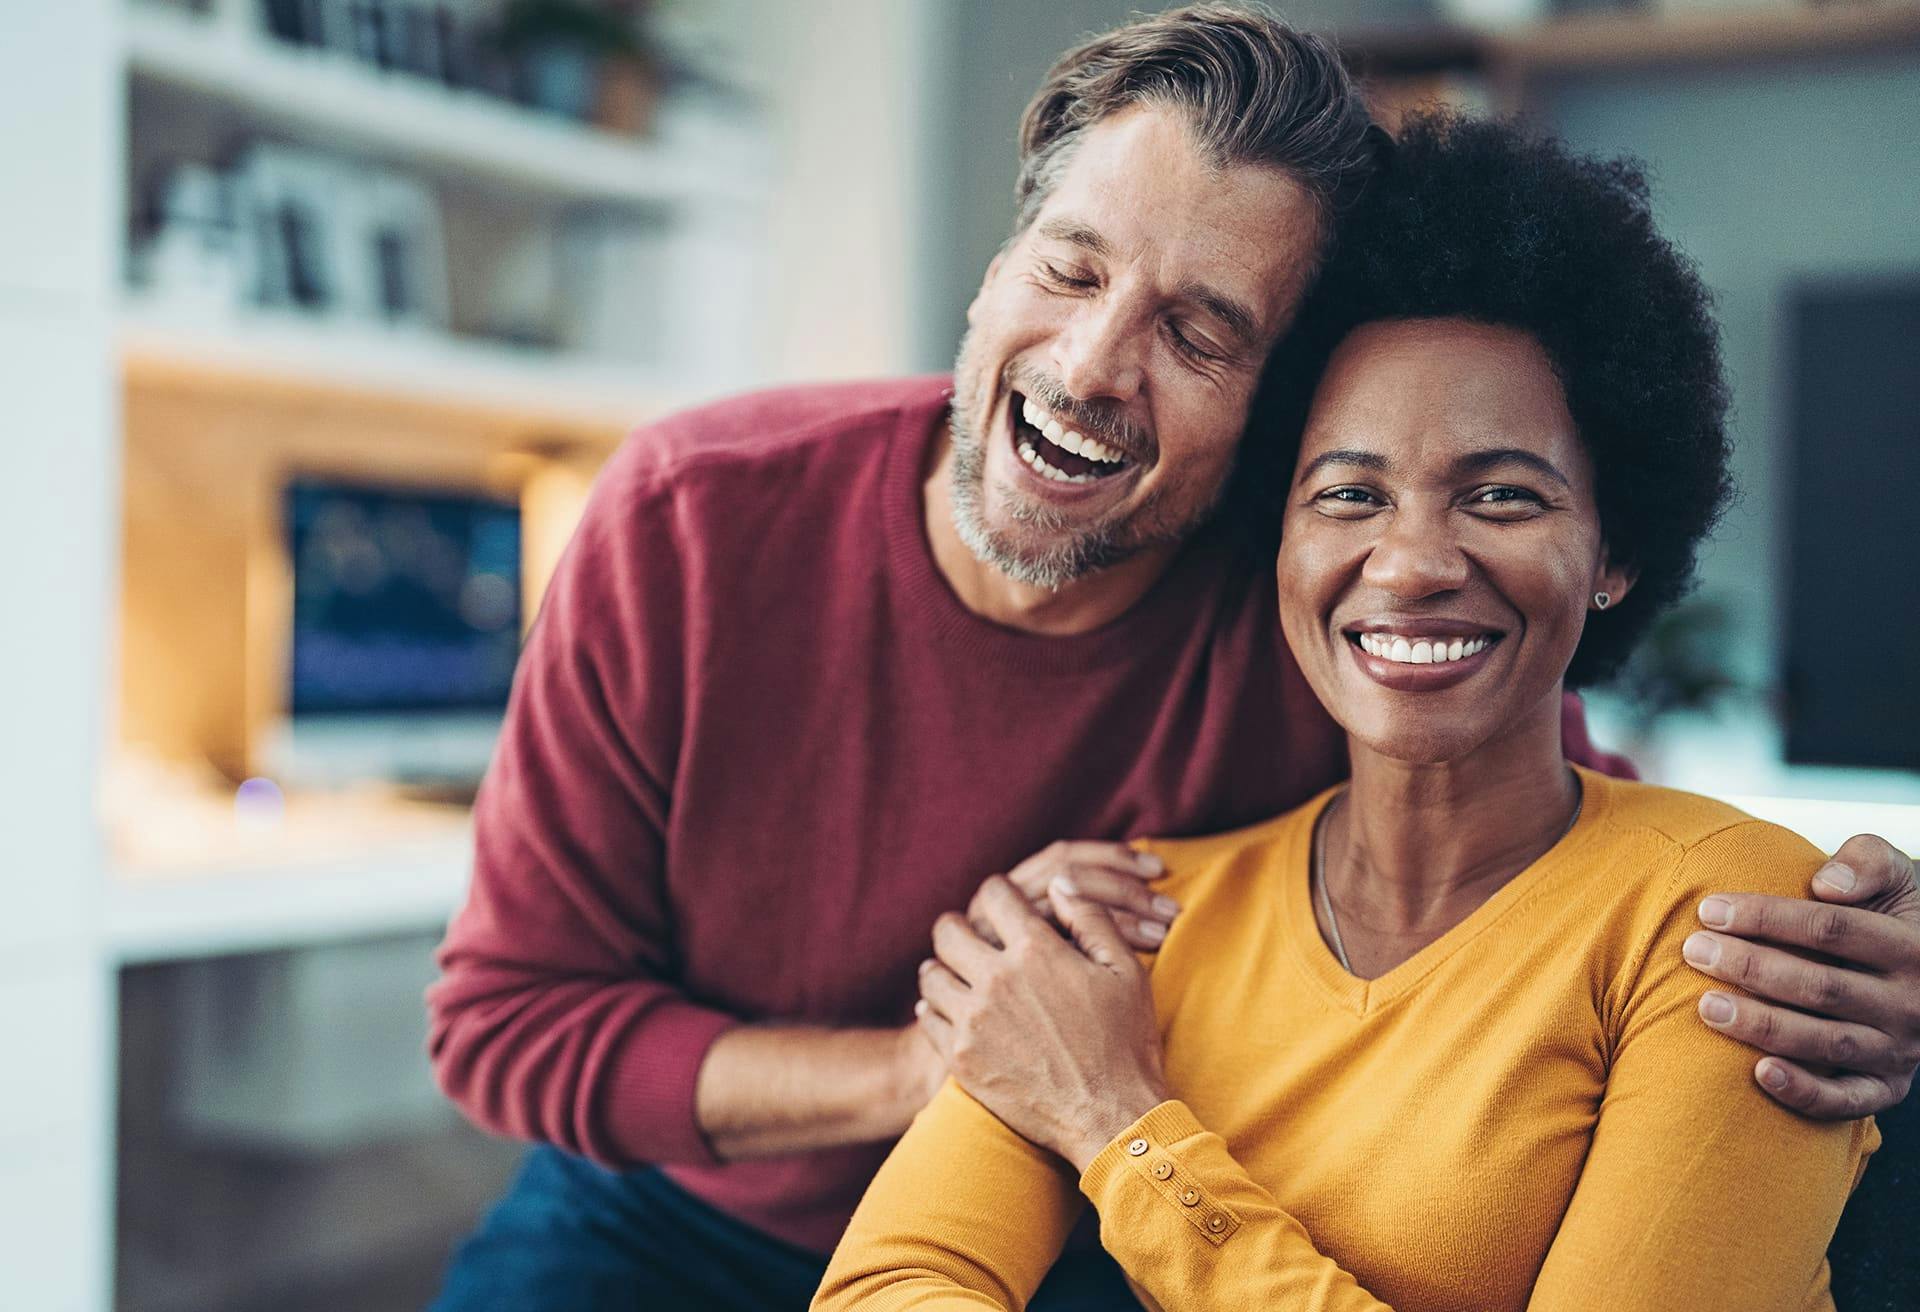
1105 1123
917 1073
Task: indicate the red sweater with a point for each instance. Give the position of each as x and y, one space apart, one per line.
756 746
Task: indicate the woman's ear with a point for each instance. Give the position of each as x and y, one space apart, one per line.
1613 581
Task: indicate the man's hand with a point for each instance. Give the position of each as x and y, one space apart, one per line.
1057 1039
1847 1041
1111 874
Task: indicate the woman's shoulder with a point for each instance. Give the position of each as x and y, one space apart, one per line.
1709 845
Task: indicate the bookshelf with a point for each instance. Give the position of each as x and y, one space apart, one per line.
1509 62
333 100
217 397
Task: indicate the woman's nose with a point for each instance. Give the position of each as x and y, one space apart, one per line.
1416 556
1099 352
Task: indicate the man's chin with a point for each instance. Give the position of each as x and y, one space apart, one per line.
1036 558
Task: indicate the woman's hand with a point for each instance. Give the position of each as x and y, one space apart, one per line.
1057 1039
1111 874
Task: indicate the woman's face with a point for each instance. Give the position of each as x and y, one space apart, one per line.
1441 544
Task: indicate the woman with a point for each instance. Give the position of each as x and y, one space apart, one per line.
1427 1041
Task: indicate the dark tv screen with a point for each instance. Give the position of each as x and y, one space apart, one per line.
1852 690
403 600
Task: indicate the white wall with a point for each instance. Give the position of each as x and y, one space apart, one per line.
843 91
59 132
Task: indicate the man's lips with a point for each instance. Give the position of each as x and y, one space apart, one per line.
1058 451
1041 477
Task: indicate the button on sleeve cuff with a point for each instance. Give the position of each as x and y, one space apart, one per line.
1142 1166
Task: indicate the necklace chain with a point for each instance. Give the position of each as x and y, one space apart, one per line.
1320 867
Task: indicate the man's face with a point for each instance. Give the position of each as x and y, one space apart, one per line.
1114 348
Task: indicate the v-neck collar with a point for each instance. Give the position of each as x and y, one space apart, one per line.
1363 997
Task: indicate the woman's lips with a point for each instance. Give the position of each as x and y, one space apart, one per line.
1419 649
1394 660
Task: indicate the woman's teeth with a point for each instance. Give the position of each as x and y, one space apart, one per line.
1421 651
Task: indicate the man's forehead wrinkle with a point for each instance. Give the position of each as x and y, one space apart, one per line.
1076 233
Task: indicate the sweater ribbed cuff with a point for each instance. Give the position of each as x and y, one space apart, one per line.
1144 1162
1162 1127
647 1109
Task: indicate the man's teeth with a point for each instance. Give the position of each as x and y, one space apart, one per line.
1045 470
1421 651
1066 438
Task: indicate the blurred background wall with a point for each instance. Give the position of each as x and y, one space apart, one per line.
318 316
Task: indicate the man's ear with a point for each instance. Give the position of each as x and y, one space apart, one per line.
993 271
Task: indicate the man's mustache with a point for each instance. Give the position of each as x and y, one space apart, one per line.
1094 420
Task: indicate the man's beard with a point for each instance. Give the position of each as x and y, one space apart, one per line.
1072 551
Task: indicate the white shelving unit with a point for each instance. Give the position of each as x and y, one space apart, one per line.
789 258
510 183
433 367
343 103
218 910
231 892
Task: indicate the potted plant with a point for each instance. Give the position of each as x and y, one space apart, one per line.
1679 675
585 60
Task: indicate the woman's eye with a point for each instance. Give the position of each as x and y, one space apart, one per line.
1347 500
1504 499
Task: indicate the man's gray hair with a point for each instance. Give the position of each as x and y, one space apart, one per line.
1254 91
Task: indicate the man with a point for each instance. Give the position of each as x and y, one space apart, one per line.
819 661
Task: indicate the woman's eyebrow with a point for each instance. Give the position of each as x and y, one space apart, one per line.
1478 462
1345 456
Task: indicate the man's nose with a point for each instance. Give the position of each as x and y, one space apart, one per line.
1417 555
1100 352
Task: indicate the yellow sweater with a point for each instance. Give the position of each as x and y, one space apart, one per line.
1525 1114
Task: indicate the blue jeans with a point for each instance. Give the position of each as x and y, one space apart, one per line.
571 1237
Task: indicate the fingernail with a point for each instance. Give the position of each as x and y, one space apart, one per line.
1772 1076
1150 863
1838 877
1716 913
920 1007
1166 908
1066 885
1152 931
1716 1009
1700 949
926 965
